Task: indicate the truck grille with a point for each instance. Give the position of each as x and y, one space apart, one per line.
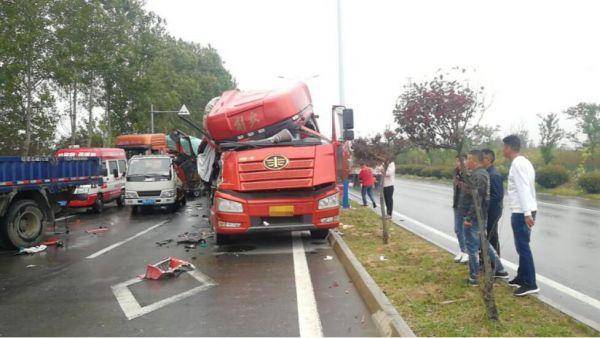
149 193
297 174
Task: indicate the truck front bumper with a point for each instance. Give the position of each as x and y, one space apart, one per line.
83 201
257 215
150 201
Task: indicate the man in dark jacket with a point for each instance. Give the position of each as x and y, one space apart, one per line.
459 229
496 198
480 180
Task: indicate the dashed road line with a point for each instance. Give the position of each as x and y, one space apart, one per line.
308 315
118 244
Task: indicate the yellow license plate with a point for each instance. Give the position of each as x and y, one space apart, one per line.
281 210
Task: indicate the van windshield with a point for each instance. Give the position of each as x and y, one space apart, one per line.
149 167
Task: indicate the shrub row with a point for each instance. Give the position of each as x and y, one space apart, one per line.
425 171
590 182
551 176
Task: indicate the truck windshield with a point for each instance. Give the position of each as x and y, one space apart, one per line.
149 167
309 141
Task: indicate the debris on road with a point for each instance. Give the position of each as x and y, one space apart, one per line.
31 266
327 258
166 241
53 241
32 250
168 267
99 230
335 284
193 238
347 226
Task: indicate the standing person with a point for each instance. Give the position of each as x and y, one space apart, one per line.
481 181
459 229
522 203
388 188
367 181
496 198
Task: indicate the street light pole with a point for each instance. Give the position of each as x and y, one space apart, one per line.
182 112
340 55
151 119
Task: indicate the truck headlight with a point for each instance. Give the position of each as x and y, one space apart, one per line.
229 206
168 193
329 202
131 194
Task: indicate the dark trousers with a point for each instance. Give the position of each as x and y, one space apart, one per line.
522 233
494 215
388 196
367 191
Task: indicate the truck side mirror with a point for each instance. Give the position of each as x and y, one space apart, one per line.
348 119
115 173
348 135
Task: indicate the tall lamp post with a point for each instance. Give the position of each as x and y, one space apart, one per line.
342 98
182 111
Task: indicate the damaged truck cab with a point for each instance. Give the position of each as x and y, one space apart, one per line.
272 170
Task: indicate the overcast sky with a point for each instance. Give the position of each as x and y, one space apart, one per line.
532 56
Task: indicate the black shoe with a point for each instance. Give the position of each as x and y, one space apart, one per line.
526 290
501 274
515 283
472 282
374 205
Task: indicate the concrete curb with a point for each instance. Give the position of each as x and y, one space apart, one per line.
388 321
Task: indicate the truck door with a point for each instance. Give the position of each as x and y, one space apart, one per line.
113 185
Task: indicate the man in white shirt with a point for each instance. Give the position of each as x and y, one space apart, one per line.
388 188
523 205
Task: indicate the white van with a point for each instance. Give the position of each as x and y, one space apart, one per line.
153 181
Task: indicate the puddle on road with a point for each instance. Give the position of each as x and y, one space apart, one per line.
235 248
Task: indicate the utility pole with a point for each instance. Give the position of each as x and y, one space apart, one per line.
183 111
340 55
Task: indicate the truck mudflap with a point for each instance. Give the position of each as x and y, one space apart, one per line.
283 214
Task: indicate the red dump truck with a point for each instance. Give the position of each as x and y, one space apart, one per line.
267 164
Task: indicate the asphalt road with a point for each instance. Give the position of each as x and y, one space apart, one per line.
268 285
565 241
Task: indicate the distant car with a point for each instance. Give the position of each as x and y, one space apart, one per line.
153 181
113 168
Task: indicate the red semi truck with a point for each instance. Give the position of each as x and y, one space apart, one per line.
268 166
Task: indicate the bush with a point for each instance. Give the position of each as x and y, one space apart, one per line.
590 182
552 176
502 171
410 169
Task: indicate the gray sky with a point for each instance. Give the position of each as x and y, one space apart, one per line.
532 56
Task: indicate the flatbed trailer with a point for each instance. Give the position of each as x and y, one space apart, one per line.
32 189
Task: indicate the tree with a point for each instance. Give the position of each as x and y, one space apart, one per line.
484 137
523 135
380 150
443 114
26 100
550 135
587 120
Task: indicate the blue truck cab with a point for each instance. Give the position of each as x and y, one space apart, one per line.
32 189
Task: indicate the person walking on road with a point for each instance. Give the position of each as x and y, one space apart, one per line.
496 198
459 229
367 181
481 181
388 188
522 202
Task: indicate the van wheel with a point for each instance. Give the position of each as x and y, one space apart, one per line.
222 239
98 204
173 207
121 199
24 225
135 209
319 234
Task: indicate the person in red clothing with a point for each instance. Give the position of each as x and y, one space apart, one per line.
367 180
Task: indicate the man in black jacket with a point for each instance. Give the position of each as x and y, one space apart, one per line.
496 198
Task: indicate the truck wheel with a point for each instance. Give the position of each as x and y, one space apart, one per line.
171 208
135 209
221 239
319 234
24 224
98 204
121 199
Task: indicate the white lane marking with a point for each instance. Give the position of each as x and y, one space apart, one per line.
64 217
568 207
308 315
552 283
132 309
108 248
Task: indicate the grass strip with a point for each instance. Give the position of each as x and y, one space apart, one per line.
430 291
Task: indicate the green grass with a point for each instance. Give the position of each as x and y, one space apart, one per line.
429 289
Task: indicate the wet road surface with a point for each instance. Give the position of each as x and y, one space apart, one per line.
565 241
268 285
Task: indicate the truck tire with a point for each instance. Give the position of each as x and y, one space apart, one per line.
319 234
98 204
23 225
121 199
171 208
135 209
221 239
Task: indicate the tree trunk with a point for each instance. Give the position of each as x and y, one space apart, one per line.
74 115
28 113
90 117
106 141
384 221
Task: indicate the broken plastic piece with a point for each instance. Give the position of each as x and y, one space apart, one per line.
53 241
382 258
327 258
167 267
96 231
33 249
166 241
